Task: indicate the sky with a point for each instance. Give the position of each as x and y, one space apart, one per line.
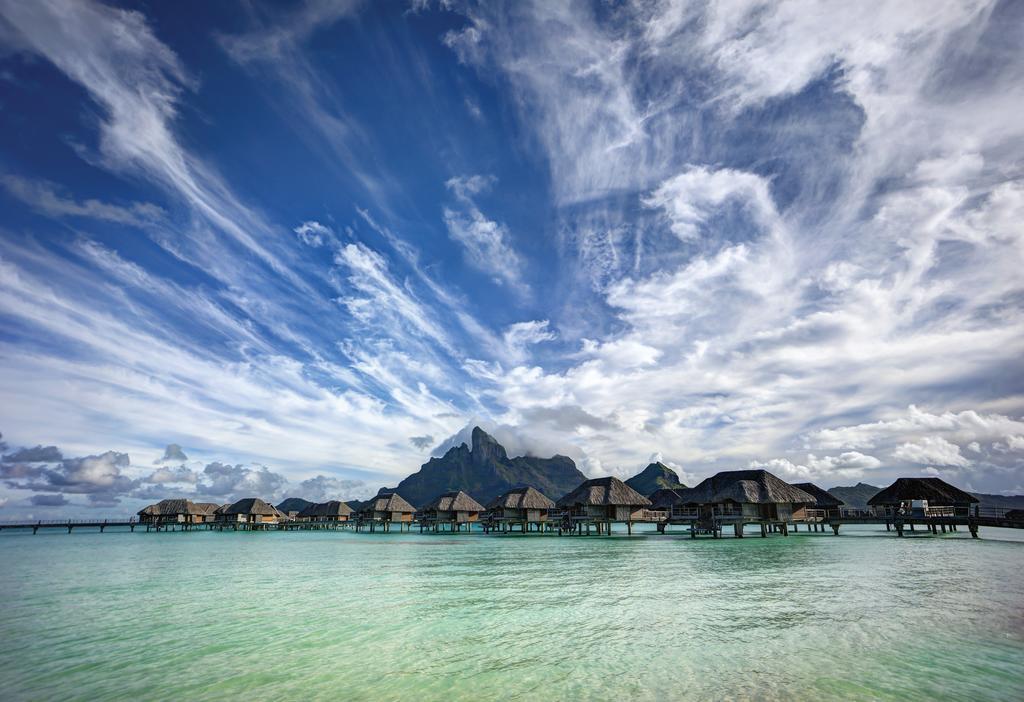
270 249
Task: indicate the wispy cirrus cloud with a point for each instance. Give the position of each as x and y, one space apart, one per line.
487 243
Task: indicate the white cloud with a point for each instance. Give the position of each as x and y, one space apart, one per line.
849 465
961 427
521 335
688 198
48 199
312 233
934 450
486 243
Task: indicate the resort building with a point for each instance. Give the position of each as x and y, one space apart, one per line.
665 499
525 506
741 497
385 509
451 508
252 512
332 511
922 497
177 511
602 501
826 506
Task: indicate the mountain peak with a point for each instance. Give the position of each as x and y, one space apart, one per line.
484 471
655 476
486 449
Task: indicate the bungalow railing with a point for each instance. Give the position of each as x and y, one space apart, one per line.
858 512
72 522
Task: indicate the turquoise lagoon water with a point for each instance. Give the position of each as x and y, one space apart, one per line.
335 615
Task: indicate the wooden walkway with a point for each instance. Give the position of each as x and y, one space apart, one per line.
988 517
70 524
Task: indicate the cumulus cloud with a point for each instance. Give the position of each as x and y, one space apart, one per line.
850 465
688 199
961 427
178 474
932 450
235 482
323 488
101 473
172 454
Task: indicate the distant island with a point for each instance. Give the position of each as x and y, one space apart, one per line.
485 471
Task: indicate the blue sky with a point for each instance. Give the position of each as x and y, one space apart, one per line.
262 248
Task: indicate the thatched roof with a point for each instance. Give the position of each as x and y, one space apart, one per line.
222 509
665 498
754 486
824 497
456 501
253 505
331 508
387 502
604 492
934 490
522 498
166 508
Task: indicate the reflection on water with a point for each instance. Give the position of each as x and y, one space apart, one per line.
370 617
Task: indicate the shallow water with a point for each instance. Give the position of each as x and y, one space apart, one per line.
317 615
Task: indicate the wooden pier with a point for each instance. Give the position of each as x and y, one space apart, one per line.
71 524
566 524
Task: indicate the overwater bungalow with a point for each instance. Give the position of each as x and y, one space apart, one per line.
454 509
741 497
602 501
525 506
922 497
826 505
664 499
252 512
385 509
177 511
332 511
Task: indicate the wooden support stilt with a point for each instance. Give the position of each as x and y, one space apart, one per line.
764 530
835 529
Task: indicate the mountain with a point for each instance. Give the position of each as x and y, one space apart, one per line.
1000 501
653 477
855 496
485 471
859 494
293 504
